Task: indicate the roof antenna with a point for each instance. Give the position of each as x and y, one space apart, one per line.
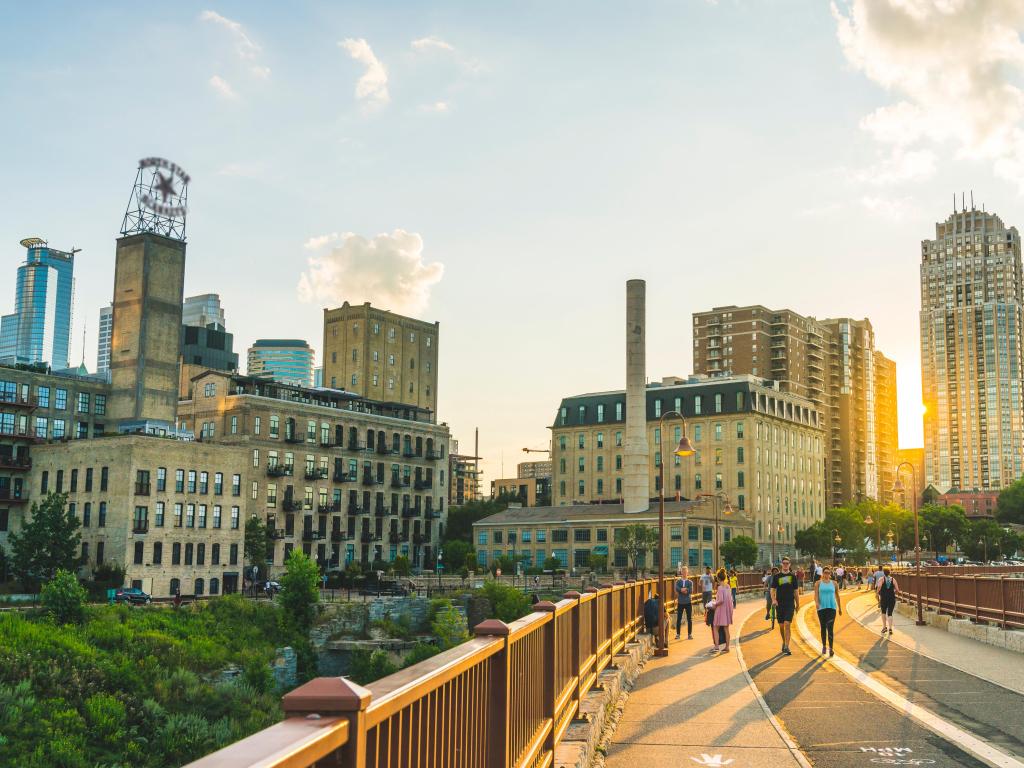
972 199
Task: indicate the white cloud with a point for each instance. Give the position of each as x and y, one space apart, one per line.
437 106
431 43
954 66
372 87
387 270
892 208
245 48
223 87
900 166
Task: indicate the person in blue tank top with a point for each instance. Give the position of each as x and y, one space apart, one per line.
829 603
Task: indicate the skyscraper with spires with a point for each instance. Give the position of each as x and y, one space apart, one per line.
971 371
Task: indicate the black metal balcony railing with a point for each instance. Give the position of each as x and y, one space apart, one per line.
278 470
23 434
410 512
339 536
369 479
291 505
382 511
16 400
15 463
294 438
422 485
310 535
398 538
277 533
355 509
327 509
140 526
384 449
420 538
399 482
142 489
344 477
409 453
15 497
434 455
355 445
368 537
433 514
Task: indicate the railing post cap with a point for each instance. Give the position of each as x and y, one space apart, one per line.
491 627
619 584
606 585
326 695
545 606
591 589
572 594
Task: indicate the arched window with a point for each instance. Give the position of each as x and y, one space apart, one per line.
175 586
214 586
199 587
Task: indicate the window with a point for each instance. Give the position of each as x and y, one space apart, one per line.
581 463
697 481
618 439
73 487
58 429
210 390
583 489
256 425
103 478
191 481
200 555
580 440
190 515
216 515
697 404
177 515
600 463
718 402
559 535
214 556
102 521
739 479
600 439
718 481
176 553
161 478
218 483
43 397
236 485
739 429
618 411
137 556
158 519
86 514
481 538
60 401
179 481
618 461
44 481
233 554
204 482
739 454
234 519
497 537
581 534
100 405
740 401
657 407
189 549
234 425
600 412
158 553
202 515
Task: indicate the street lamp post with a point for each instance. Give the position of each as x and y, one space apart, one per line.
878 531
835 549
772 525
984 541
683 449
727 509
897 487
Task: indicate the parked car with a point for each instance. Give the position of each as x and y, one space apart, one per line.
132 596
389 588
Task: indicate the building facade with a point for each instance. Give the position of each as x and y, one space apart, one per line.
971 323
528 491
202 311
914 457
103 340
39 330
380 355
976 504
887 429
830 362
757 447
464 471
578 533
288 361
534 469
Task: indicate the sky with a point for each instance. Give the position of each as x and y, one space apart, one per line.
504 168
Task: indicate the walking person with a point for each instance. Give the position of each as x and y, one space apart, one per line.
734 585
876 579
887 588
828 602
786 599
684 591
651 613
840 575
707 585
769 608
723 610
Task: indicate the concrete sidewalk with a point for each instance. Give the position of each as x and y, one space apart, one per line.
690 708
996 665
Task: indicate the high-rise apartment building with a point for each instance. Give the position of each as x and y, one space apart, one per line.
106 332
887 431
39 330
381 355
203 311
831 363
288 361
971 316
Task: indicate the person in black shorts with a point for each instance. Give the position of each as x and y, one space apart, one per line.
786 599
886 589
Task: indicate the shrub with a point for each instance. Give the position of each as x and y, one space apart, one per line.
367 667
449 627
63 598
507 603
300 592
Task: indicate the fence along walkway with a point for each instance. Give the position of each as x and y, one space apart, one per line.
993 599
500 700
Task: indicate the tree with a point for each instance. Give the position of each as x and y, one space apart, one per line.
636 540
814 539
599 563
458 554
944 525
401 566
64 598
47 543
1010 504
553 564
461 519
507 603
257 537
300 593
740 550
449 627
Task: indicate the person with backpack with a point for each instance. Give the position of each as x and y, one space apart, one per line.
684 591
887 589
827 602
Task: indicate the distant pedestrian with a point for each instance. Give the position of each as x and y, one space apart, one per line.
651 613
817 571
876 578
887 589
769 609
800 576
723 610
707 585
827 602
734 585
786 599
684 591
177 599
840 576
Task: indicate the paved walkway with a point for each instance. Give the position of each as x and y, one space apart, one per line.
690 708
997 665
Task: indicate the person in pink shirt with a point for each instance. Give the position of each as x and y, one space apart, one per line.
723 608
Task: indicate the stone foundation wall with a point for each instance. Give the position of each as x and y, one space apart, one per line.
1010 639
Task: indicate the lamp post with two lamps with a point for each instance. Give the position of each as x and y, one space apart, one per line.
772 525
837 539
685 448
898 487
727 509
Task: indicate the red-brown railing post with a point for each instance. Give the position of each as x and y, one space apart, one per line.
1002 598
499 747
576 660
334 696
550 661
977 614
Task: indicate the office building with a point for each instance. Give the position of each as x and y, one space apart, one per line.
203 311
39 330
104 338
830 362
318 376
381 355
914 457
526 491
757 447
971 316
288 361
533 469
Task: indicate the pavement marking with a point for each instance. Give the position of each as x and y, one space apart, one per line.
858 617
794 750
716 760
943 728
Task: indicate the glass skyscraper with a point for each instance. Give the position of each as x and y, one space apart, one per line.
39 330
289 361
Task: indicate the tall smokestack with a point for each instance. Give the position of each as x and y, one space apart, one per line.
637 492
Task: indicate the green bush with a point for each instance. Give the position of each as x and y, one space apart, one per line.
63 598
449 627
507 603
368 666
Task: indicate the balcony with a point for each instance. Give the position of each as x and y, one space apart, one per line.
382 512
399 482
142 489
398 538
319 473
355 509
420 538
369 479
311 535
13 497
14 400
344 477
384 450
433 514
422 485
276 533
368 537
410 512
328 444
291 505
327 509
27 436
434 456
140 526
15 463
409 453
293 438
278 470
355 445
339 536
